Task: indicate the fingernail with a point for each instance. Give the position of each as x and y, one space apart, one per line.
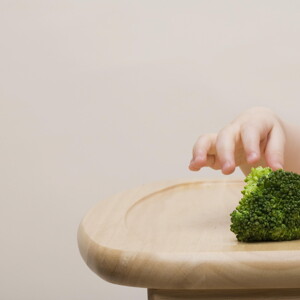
252 156
227 166
198 158
277 166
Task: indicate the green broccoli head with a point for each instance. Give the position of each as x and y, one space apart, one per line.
270 207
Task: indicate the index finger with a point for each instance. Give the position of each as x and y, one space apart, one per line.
203 147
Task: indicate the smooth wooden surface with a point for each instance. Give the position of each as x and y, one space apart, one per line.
279 294
175 235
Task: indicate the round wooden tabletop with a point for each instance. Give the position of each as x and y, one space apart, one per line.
176 235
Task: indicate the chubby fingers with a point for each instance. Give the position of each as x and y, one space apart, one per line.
268 139
225 146
215 151
203 152
251 137
274 152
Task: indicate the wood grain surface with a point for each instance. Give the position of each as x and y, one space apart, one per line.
176 235
279 294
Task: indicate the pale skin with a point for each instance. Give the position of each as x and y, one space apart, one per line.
257 137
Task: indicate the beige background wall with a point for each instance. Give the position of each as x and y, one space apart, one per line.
100 96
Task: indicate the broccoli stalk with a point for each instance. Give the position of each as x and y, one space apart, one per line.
270 207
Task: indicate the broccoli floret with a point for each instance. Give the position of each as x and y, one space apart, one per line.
270 207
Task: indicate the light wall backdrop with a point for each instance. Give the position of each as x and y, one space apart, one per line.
97 97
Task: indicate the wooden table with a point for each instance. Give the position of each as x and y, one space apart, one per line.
174 239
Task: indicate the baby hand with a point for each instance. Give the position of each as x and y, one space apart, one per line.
255 137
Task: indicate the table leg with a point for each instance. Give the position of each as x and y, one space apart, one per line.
272 294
